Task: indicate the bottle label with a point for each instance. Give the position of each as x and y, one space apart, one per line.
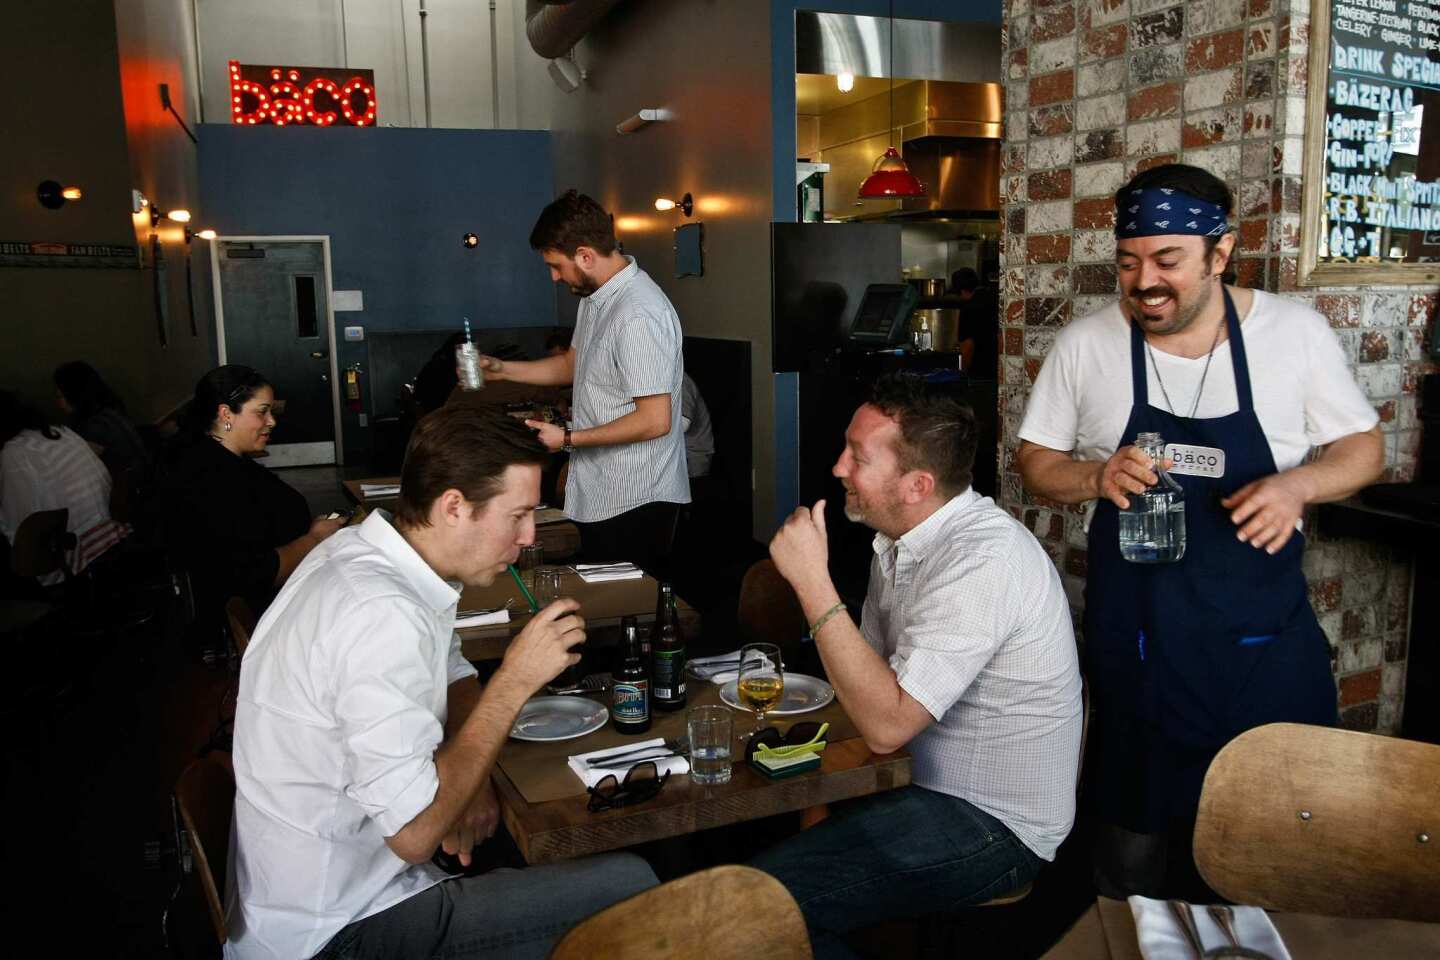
632 701
1196 461
669 672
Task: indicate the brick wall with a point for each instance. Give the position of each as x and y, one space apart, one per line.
1098 89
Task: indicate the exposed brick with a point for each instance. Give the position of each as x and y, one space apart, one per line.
1215 52
1158 160
1014 341
1047 311
1050 185
1052 121
1325 594
1202 133
1386 410
1152 29
1250 272
1104 43
1099 12
1156 64
1077 561
1015 220
1339 309
1047 248
1259 120
1353 625
1374 347
1396 650
1161 100
1032 369
1253 235
1258 9
1364 718
1422 309
1253 198
1260 40
1019 61
1099 145
1052 22
1016 311
1052 88
1096 213
1359 688
1094 278
1260 79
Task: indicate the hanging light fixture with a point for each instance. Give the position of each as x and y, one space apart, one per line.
891 178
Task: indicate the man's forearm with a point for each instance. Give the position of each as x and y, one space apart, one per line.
636 426
550 372
461 698
1342 468
1058 476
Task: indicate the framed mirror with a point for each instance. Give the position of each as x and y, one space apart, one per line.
690 250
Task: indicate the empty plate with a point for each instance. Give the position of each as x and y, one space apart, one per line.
802 694
558 718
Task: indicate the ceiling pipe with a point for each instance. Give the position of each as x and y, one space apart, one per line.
554 27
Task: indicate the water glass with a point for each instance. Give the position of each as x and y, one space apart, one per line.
549 585
711 730
532 556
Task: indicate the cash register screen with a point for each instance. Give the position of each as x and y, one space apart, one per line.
881 314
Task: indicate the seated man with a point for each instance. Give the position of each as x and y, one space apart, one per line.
964 656
363 742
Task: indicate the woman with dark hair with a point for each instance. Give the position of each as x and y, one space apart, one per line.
98 415
238 528
50 468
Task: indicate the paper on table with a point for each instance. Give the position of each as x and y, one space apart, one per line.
591 776
1161 938
483 619
720 668
370 490
607 572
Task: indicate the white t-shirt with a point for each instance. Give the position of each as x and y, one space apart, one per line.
1305 395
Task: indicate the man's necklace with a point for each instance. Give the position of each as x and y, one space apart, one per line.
1205 373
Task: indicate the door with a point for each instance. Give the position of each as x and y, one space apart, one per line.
273 314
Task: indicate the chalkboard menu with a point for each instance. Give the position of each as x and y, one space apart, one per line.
1372 152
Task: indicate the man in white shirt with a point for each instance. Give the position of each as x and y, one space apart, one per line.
364 743
1241 386
964 656
626 444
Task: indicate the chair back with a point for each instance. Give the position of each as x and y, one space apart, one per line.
724 913
769 611
40 541
206 795
242 622
1318 820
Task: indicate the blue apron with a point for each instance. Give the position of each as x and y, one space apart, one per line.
1182 657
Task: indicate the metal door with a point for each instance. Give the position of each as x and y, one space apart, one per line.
273 313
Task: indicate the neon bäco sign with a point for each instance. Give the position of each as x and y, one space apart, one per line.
319 96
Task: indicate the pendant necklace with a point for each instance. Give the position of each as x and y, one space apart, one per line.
1203 374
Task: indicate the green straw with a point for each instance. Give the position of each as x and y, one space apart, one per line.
529 597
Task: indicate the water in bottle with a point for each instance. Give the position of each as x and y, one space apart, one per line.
467 357
1152 528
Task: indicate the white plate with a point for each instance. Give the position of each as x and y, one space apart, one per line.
802 695
546 719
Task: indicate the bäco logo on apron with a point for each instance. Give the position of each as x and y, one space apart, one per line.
1193 461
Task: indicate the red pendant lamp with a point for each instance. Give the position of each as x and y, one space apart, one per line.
891 178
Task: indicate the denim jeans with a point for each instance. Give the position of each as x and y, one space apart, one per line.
504 913
902 853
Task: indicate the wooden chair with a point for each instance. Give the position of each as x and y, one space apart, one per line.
40 543
725 913
769 611
205 793
1318 820
242 622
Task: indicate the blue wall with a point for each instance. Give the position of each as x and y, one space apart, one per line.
395 203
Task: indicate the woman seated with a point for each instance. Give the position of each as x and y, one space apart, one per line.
237 528
94 411
50 468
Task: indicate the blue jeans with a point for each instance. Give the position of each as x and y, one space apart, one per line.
504 913
902 853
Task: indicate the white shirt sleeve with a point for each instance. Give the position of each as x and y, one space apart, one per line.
384 684
1052 414
459 668
645 355
1335 406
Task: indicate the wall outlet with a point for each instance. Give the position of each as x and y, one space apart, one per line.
354 333
364 420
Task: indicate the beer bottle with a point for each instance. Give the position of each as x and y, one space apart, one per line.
667 650
631 705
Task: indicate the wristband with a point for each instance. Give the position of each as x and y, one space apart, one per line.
825 618
566 445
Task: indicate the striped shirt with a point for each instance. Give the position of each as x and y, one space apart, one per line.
627 345
37 473
969 612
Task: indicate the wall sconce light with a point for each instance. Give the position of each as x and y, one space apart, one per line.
685 203
643 118
52 195
206 234
845 82
178 215
470 241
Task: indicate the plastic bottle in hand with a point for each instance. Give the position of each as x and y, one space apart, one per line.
467 363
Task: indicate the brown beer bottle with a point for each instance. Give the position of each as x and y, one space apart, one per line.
667 652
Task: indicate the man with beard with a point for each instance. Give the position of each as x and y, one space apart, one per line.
1241 385
964 656
626 442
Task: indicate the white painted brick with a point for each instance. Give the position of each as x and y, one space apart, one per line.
1290 118
1052 55
1102 13
1222 160
1292 163
1212 89
1256 158
1014 252
1017 125
1039 340
1051 217
1392 679
1095 79
1138 7
1152 137
1084 306
1099 179
1047 281
1093 246
1096 113
1212 15
1016 189
1049 153
1385 310
1380 381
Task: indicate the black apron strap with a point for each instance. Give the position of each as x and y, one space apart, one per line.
1139 382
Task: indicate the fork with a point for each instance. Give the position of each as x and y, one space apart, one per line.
593 683
679 747
1224 919
1181 910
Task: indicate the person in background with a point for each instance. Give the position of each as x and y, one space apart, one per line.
627 466
98 415
979 325
52 468
964 656
1184 656
238 529
389 740
699 437
437 379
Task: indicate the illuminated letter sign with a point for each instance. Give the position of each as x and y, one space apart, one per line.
319 96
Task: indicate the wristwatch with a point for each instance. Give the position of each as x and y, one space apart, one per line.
567 446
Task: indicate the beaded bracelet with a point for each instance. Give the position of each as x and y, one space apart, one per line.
825 618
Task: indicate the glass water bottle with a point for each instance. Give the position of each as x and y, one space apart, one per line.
1152 528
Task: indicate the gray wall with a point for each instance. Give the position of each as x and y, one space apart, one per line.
708 62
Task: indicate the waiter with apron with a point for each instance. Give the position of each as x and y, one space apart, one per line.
1182 656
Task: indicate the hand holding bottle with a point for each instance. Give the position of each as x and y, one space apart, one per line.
1129 470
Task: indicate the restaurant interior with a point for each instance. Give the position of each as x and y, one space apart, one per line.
337 192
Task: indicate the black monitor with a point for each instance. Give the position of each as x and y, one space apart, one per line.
883 314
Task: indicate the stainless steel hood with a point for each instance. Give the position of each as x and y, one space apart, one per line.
958 51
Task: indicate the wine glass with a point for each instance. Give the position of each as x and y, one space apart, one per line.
761 683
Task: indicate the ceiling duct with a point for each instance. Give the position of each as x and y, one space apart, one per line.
958 52
554 27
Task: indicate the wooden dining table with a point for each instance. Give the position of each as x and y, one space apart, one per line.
543 802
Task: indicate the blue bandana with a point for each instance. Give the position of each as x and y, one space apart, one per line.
1161 211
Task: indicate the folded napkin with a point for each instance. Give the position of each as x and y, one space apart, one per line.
483 619
606 572
591 775
372 490
1162 939
721 668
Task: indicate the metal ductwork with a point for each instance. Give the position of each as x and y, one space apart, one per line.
553 27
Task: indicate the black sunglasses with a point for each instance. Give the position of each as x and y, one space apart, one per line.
641 783
770 737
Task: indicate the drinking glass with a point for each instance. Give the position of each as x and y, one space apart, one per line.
761 684
711 729
531 557
549 585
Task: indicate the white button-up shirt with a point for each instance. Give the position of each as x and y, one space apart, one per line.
969 612
342 705
627 345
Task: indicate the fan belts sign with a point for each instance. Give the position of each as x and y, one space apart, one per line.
319 96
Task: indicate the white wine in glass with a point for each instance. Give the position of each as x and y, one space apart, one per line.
761 684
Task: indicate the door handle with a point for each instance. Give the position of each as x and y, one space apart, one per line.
319 355
324 378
